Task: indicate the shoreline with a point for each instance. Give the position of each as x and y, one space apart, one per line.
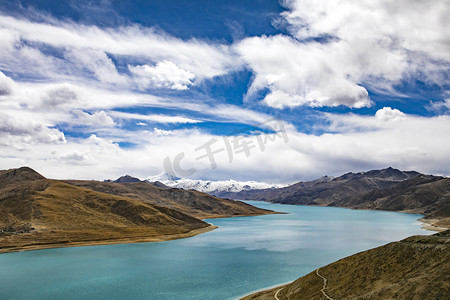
129 240
427 224
270 289
125 240
162 238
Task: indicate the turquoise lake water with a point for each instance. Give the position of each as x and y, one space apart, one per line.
243 255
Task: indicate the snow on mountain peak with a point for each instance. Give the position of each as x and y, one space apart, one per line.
209 186
162 177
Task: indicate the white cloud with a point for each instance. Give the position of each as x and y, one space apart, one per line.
414 25
339 46
99 118
74 156
6 85
98 63
414 143
164 74
61 96
21 132
368 45
389 114
154 118
299 74
90 45
162 132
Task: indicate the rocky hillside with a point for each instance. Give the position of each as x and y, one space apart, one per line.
191 202
387 189
326 190
428 195
415 268
39 213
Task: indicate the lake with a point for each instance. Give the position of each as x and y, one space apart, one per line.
243 255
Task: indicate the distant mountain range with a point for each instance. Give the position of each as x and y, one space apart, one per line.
386 189
417 267
37 213
216 188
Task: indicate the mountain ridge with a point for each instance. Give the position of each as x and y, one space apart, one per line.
216 188
39 213
385 189
198 204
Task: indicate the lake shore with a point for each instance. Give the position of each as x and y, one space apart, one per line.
432 224
143 239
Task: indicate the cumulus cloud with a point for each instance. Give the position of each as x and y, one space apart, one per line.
340 48
74 156
99 118
164 74
6 85
389 114
299 74
63 95
162 132
385 23
22 131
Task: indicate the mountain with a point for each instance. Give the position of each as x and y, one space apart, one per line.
417 267
12 176
191 202
386 189
216 188
40 213
126 179
326 190
37 213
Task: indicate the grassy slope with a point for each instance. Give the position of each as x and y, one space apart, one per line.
46 213
39 213
194 203
415 268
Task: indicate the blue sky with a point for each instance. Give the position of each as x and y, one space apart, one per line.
278 91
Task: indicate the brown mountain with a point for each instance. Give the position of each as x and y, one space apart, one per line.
415 268
13 176
126 179
386 189
191 202
38 213
424 194
326 190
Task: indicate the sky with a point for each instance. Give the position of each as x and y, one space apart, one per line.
274 91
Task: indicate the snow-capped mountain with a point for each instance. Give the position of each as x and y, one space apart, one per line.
210 187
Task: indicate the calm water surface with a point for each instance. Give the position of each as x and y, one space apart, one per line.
245 254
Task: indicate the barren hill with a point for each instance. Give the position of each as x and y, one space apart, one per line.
41 213
386 189
415 268
191 202
37 213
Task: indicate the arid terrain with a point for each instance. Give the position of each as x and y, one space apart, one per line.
387 189
417 267
37 213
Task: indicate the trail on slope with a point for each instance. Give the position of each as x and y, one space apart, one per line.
324 285
276 294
